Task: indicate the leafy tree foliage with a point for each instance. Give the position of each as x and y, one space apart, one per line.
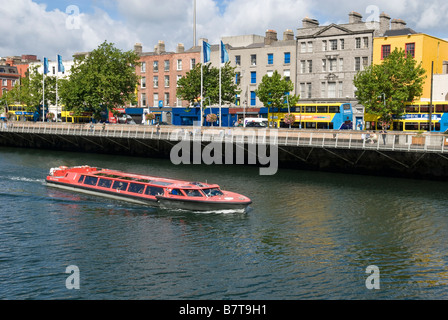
273 90
384 88
189 86
29 91
104 78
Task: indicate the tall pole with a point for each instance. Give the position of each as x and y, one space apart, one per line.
194 23
220 66
430 103
43 97
202 78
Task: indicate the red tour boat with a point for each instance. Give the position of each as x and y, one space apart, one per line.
146 190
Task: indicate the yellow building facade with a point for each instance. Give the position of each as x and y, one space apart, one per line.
424 48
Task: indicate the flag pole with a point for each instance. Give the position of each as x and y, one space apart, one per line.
43 98
220 84
202 77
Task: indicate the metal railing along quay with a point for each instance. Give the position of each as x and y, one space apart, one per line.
361 140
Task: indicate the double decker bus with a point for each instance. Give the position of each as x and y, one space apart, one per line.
333 116
416 118
69 116
20 113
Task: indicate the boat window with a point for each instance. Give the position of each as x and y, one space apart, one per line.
120 185
213 192
154 191
105 183
136 188
91 181
176 192
193 193
81 179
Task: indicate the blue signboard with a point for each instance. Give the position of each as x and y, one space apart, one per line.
160 103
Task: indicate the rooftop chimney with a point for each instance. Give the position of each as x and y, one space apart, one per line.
271 36
180 48
354 17
138 48
288 35
160 47
309 23
384 23
397 24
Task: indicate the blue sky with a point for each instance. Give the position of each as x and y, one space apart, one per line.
43 27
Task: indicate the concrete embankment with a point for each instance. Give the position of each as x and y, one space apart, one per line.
346 152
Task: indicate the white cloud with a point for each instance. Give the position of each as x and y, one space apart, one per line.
34 29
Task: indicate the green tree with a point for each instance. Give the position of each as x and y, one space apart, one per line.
273 90
384 88
189 86
104 78
29 91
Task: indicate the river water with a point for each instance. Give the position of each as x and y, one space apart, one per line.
308 235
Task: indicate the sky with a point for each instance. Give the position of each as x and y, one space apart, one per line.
47 28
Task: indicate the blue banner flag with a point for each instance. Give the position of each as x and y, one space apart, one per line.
60 65
224 53
206 50
46 67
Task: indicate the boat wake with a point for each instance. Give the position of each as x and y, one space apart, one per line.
24 179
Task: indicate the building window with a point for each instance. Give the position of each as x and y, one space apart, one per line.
310 46
365 63
143 82
333 45
156 100
287 75
238 78
270 58
253 77
156 82
410 49
156 66
324 65
323 90
365 42
144 100
167 99
4 82
302 66
238 60
333 63
143 67
253 59
253 98
309 89
192 64
310 66
341 89
178 78
324 45
167 81
167 65
287 57
303 47
331 89
358 43
357 64
302 90
179 64
385 51
342 44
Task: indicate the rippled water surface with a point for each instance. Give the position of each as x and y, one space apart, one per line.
308 235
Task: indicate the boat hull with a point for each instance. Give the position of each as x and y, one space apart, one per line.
161 202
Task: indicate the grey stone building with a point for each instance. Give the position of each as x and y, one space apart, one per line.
330 56
255 56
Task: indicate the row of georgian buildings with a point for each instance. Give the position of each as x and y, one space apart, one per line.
320 60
